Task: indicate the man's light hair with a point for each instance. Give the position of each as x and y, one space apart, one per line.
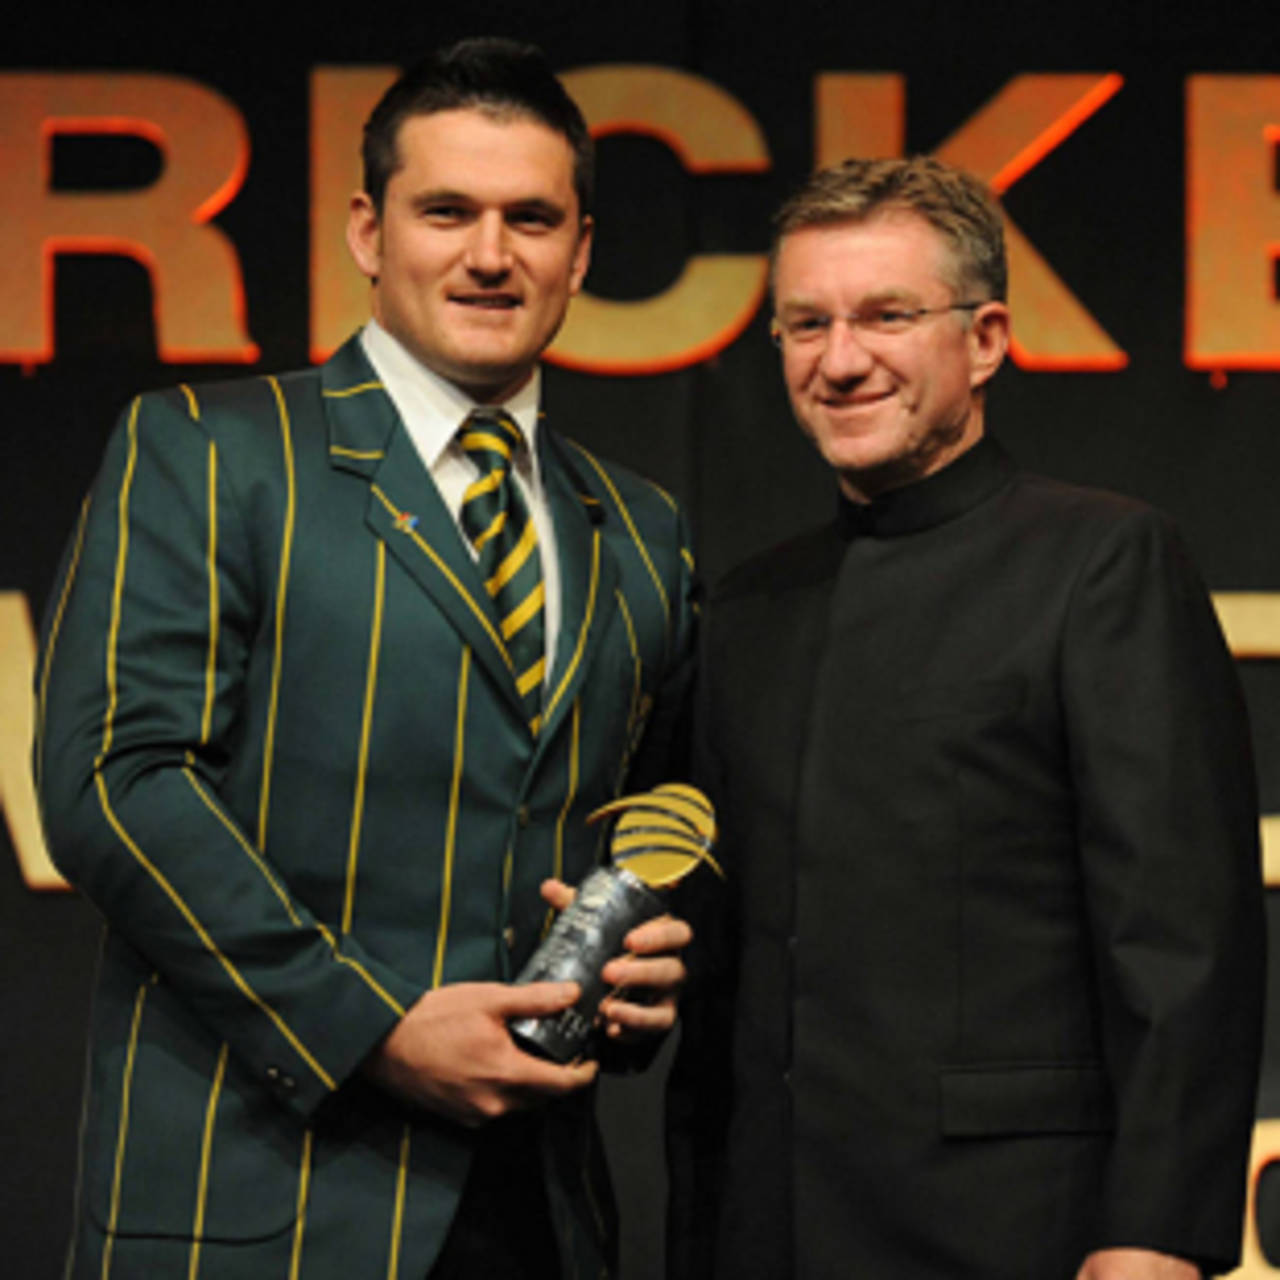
959 207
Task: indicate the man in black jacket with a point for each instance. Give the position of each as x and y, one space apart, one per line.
996 937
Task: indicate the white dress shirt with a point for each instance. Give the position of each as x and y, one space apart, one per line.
432 409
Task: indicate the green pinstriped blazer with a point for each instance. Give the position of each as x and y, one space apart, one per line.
279 745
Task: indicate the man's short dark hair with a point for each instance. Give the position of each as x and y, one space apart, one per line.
502 78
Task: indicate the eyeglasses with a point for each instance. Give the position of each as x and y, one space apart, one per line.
806 328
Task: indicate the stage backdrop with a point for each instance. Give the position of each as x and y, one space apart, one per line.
172 190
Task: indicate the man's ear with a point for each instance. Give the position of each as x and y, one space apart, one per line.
988 342
581 254
364 234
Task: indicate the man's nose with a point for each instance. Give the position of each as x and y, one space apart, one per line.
489 249
844 354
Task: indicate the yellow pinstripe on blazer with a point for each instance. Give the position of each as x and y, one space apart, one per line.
280 747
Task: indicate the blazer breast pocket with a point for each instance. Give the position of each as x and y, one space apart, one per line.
996 1101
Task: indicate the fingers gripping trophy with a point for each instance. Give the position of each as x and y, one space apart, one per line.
659 837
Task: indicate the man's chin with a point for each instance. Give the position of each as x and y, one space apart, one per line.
865 454
867 471
489 380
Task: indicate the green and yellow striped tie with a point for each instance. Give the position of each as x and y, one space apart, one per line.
497 522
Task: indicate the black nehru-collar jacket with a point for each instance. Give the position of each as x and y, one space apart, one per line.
989 986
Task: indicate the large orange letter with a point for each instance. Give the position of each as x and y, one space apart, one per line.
1030 116
195 274
1251 623
1266 1151
1233 222
716 294
17 794
863 115
857 114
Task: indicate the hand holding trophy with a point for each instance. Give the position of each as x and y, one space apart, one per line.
659 838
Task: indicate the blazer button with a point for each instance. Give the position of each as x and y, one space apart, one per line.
280 1080
522 815
509 936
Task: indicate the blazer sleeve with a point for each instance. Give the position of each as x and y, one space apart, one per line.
1168 837
141 689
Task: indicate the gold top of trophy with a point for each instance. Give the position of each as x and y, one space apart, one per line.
662 834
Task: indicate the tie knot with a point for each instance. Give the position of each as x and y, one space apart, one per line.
490 438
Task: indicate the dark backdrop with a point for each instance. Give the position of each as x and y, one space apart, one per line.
1106 208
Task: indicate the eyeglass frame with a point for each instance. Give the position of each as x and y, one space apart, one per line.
911 315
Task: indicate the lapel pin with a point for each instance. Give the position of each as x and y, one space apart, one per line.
405 521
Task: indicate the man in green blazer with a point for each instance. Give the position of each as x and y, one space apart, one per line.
289 745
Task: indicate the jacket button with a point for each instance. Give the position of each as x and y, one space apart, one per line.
522 815
509 936
280 1080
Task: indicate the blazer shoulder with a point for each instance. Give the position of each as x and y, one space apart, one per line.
212 404
253 397
242 415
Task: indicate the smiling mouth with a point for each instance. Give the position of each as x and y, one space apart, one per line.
856 402
487 301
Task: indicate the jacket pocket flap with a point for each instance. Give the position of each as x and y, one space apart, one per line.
987 1101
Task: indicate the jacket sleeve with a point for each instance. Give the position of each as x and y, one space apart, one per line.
151 634
1168 836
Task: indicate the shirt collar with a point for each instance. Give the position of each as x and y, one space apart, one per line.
959 487
431 407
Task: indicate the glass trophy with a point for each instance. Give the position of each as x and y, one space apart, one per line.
659 837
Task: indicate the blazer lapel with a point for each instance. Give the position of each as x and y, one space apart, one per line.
588 578
405 509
